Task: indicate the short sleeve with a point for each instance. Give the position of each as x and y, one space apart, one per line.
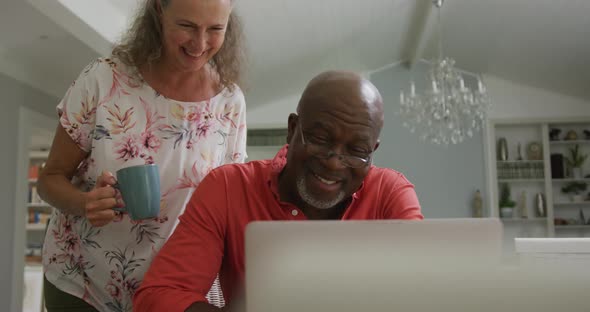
401 200
77 109
236 147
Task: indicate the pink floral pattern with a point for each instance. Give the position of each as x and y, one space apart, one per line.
121 123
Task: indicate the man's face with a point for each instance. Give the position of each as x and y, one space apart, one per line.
328 168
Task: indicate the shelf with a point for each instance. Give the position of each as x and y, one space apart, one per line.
572 227
39 154
572 203
519 161
35 227
39 205
571 180
569 142
519 180
523 219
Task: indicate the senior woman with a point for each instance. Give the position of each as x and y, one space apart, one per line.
168 96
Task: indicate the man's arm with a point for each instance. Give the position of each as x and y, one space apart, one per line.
401 201
184 270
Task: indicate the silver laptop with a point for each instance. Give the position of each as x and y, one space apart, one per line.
342 266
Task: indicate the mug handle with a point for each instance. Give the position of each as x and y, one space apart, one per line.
118 188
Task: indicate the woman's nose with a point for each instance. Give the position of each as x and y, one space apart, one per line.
199 41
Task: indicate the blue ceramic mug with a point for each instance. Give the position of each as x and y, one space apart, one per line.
140 189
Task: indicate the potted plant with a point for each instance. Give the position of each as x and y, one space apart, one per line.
576 161
575 189
506 202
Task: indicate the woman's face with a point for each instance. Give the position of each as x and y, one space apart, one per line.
193 31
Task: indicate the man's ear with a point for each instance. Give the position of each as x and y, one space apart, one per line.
376 145
291 126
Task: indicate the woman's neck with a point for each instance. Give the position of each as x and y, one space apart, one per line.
188 86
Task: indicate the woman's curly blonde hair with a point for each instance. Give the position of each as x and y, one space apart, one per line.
142 44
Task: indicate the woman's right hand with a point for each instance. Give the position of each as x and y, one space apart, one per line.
101 200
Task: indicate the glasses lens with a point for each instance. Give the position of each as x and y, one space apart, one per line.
323 152
353 162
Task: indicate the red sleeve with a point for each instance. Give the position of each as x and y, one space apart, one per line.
402 201
184 270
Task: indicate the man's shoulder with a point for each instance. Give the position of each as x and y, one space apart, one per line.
255 169
383 175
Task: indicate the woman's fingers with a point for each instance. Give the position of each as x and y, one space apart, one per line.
106 178
99 205
101 200
100 212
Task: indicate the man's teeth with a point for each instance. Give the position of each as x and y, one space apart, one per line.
324 180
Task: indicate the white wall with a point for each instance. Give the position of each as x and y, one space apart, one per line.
271 115
14 135
512 100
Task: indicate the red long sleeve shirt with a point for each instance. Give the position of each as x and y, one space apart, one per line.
210 236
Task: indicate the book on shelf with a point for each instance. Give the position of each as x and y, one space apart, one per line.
34 171
517 170
34 197
38 217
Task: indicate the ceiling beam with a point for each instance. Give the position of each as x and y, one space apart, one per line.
85 21
420 31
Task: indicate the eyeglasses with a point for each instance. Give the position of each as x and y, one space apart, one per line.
324 151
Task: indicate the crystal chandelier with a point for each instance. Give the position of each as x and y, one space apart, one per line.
449 112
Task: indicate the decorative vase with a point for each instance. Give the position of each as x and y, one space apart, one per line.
577 173
540 206
506 212
522 206
502 149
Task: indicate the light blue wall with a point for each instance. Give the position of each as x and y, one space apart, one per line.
445 177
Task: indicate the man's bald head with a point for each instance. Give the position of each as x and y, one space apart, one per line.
343 91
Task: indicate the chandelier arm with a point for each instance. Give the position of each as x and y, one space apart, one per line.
440 47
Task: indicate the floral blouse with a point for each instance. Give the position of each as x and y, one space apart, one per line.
121 121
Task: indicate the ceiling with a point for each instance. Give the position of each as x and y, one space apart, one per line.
540 43
38 52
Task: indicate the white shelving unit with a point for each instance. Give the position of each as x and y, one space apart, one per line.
35 227
559 207
37 214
